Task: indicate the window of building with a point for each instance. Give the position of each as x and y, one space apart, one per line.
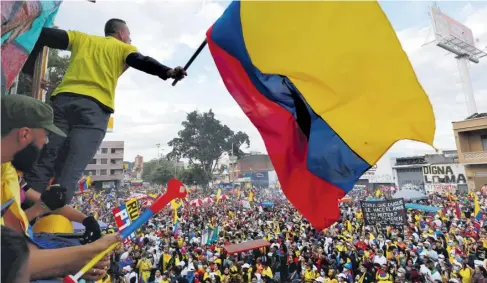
104 150
88 172
116 171
93 161
484 142
104 161
103 172
113 161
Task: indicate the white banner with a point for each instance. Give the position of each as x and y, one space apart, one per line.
380 173
443 177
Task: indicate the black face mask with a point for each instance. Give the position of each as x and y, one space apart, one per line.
25 159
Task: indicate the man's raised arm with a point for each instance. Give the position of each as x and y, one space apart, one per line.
151 66
50 37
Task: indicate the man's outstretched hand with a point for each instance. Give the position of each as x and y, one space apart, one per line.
177 73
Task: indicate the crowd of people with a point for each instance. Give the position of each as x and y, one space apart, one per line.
445 246
44 151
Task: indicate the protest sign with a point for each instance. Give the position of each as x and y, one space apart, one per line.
385 213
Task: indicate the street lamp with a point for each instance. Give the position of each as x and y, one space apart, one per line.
158 145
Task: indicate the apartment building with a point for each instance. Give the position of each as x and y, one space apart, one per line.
471 140
106 168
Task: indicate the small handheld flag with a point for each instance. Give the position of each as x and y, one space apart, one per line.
175 189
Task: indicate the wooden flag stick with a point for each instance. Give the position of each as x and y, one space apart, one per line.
195 54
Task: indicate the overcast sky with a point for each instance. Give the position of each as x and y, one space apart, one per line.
150 111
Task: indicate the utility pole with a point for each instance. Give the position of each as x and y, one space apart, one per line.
231 165
158 145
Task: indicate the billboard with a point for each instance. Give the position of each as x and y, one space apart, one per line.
446 28
452 35
260 179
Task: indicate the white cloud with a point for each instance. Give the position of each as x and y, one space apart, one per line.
201 79
150 111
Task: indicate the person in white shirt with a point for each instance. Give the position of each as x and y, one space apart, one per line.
380 258
438 222
125 254
156 256
131 276
431 274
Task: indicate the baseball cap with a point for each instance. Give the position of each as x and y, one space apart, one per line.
20 111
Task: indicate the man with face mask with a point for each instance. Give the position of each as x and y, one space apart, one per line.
26 123
84 101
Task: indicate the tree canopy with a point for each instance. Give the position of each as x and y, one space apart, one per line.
57 66
159 171
203 140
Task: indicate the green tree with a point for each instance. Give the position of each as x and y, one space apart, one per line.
57 65
203 140
158 171
222 168
194 175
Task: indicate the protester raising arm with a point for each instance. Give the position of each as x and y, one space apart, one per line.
59 39
151 66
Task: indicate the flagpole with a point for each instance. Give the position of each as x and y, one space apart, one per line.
195 54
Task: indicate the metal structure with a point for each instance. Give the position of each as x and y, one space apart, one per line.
458 39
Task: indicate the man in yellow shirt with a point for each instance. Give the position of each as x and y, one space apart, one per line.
83 103
25 125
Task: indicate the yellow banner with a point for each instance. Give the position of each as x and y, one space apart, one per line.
110 125
133 212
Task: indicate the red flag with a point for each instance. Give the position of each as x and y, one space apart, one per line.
458 212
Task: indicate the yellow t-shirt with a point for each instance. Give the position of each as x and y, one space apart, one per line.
267 272
309 276
96 64
144 264
466 275
11 189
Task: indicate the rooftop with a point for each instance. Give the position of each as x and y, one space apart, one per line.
476 116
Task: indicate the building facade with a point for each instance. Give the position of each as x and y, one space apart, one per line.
377 176
106 168
471 140
251 165
138 167
431 173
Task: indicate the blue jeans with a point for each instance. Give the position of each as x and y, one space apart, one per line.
85 124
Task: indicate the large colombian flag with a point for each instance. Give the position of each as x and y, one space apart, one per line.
329 88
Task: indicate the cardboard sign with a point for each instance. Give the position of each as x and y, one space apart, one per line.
385 213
